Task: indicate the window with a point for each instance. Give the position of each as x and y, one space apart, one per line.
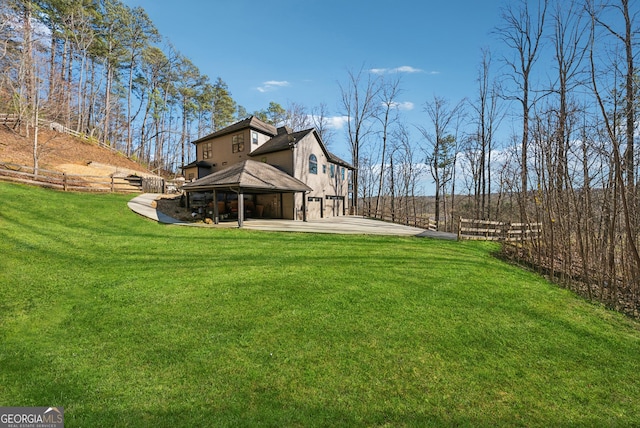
313 164
254 137
324 169
206 151
237 144
342 172
333 170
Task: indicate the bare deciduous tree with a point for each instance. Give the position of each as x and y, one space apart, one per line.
522 32
359 100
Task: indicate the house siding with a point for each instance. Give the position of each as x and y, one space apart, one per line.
322 183
222 154
329 194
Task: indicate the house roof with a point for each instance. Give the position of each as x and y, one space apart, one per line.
281 142
287 141
250 122
201 164
249 175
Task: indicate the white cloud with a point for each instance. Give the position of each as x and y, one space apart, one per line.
337 122
405 105
406 69
401 69
272 85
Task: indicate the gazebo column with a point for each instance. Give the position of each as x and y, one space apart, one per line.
240 208
304 206
216 214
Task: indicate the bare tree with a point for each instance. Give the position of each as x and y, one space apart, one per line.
297 117
623 188
522 32
320 120
440 143
359 97
388 115
488 118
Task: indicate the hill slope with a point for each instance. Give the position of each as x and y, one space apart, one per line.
62 152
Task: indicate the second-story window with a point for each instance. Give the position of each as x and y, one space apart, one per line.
237 144
207 151
313 164
254 137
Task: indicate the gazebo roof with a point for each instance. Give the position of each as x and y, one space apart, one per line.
249 175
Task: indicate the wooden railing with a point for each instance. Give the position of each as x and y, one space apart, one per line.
423 222
81 183
496 230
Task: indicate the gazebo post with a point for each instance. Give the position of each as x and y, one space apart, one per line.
216 214
240 208
304 206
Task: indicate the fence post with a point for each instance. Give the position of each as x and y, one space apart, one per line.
112 186
506 227
64 181
459 228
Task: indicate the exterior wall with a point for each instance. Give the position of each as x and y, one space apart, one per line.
283 160
323 184
222 154
191 173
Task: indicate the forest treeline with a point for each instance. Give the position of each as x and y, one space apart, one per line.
561 83
101 68
548 136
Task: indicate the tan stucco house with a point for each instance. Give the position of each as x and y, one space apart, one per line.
253 169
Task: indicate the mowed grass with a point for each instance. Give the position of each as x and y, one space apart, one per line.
125 322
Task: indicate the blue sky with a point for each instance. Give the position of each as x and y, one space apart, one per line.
299 50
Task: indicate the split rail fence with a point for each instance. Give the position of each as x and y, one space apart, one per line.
496 230
407 220
80 183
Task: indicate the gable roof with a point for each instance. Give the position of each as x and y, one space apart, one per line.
287 141
281 142
248 123
249 175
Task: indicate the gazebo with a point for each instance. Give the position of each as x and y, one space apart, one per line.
247 177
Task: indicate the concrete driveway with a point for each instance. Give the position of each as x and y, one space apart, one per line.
145 206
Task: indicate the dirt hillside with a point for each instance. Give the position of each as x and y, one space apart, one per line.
62 152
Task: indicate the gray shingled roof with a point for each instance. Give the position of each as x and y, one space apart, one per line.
286 141
280 142
249 175
250 122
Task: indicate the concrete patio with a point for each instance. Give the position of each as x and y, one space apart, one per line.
145 206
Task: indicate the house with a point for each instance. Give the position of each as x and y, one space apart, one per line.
253 169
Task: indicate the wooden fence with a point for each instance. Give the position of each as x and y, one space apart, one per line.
496 230
423 222
81 183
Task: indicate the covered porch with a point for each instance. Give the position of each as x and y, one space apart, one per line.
248 188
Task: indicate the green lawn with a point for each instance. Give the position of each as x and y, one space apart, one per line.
125 322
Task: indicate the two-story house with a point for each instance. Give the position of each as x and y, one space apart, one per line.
254 169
